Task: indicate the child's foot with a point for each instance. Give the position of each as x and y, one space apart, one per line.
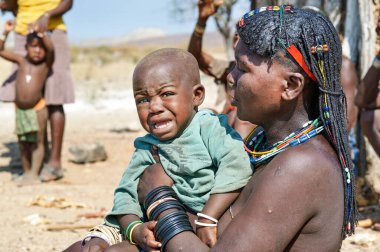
27 179
50 173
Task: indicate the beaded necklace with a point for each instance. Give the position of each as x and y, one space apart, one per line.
259 153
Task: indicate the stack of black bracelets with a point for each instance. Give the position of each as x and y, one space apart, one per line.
156 202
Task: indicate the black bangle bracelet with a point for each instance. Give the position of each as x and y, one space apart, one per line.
159 193
169 222
174 221
166 221
165 206
177 223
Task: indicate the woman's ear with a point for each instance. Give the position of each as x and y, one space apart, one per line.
198 94
293 86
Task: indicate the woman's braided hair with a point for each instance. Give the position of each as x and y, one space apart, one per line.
268 30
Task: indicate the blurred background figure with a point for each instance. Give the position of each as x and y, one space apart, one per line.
216 68
46 16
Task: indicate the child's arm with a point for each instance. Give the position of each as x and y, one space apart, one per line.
49 49
15 58
215 207
218 203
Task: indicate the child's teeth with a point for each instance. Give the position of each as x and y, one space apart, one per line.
161 125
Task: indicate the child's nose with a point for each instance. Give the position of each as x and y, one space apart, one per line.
155 105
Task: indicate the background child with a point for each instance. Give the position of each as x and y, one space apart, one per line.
202 154
31 113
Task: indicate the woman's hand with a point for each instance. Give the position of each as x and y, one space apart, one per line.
41 24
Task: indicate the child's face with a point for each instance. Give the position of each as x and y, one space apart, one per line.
35 51
165 102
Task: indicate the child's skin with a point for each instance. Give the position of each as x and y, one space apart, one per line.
167 94
32 72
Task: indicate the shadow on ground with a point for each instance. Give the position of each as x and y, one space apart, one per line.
10 158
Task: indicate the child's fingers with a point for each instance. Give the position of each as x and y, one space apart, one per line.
154 244
151 224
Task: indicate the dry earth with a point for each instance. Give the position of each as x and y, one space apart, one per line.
102 114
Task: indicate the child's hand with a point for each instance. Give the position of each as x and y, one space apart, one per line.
207 235
9 25
144 237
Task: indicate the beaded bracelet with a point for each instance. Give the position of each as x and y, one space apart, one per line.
129 226
199 29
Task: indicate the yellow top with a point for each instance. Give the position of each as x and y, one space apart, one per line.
30 10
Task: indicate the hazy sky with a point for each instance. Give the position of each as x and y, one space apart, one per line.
90 19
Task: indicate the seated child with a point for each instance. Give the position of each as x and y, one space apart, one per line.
202 154
31 112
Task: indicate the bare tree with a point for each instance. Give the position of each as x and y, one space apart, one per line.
224 22
223 19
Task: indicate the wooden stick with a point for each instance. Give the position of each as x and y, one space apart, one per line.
58 227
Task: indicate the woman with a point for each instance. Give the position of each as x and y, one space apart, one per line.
301 195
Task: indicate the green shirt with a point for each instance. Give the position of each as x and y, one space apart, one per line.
208 157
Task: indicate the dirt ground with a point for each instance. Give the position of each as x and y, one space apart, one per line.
85 189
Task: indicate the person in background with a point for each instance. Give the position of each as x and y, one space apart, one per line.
31 112
46 16
216 68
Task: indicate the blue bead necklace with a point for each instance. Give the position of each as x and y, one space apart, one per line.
259 153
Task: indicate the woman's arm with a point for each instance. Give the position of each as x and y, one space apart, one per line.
41 24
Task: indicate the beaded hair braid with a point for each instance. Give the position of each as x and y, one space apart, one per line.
312 43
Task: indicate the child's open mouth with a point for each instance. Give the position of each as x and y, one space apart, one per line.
161 125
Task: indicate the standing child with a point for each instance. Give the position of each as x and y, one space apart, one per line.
31 112
202 154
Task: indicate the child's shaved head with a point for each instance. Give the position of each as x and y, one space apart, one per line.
183 61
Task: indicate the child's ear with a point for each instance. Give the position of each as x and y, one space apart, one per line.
198 94
293 86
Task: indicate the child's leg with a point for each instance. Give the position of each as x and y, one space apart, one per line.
39 150
25 156
26 153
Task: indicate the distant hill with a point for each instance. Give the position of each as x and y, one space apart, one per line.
211 40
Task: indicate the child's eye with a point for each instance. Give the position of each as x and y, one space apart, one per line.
142 100
166 94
